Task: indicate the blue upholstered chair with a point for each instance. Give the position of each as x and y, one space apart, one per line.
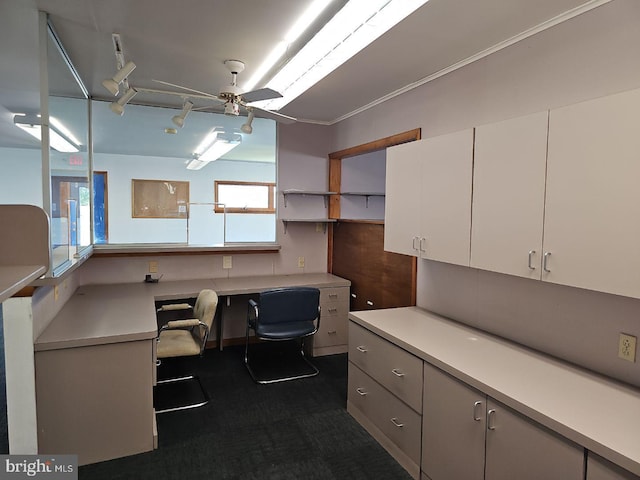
284 314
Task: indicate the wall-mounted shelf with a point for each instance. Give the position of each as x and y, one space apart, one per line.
366 195
295 191
323 221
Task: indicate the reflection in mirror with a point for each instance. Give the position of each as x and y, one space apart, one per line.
137 147
68 157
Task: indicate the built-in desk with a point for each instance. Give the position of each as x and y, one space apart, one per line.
95 362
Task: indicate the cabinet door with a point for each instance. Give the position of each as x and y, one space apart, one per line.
445 209
591 226
508 195
402 198
453 428
600 469
518 448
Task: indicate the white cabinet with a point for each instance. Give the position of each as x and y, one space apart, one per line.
593 201
428 198
469 435
510 160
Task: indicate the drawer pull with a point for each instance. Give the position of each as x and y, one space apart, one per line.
332 332
333 310
370 303
333 295
353 295
397 372
476 417
395 421
361 392
362 349
490 419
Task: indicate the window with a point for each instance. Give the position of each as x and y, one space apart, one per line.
245 197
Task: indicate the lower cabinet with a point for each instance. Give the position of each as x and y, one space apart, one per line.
466 434
600 469
331 336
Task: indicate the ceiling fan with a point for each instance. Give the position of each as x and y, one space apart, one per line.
234 98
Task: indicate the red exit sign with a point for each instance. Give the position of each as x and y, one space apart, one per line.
75 160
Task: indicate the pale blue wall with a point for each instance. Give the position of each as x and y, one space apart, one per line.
20 176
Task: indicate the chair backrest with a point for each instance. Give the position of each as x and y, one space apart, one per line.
290 304
205 307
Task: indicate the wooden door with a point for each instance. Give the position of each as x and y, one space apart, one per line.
508 195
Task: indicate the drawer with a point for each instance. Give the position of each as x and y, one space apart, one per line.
397 421
334 296
333 327
396 369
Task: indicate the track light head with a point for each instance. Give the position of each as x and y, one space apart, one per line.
179 119
118 107
113 84
246 127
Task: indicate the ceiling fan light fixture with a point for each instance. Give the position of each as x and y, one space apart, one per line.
118 107
179 119
113 84
246 127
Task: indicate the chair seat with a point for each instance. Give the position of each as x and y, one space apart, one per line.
177 343
283 331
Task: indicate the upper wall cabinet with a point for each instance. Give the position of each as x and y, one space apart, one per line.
428 198
593 200
508 195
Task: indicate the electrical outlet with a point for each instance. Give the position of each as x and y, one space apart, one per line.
56 293
300 262
627 347
226 261
320 227
153 267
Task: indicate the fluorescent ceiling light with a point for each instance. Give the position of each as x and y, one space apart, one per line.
358 24
214 146
298 28
32 125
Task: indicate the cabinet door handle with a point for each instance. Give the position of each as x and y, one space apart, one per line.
491 419
362 349
422 242
353 295
395 421
370 303
546 261
361 391
397 372
414 243
476 415
531 254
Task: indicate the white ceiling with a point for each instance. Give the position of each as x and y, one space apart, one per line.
187 42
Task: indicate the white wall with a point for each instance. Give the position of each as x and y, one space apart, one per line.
592 55
21 176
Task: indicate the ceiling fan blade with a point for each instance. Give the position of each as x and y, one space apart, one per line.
187 89
261 94
278 117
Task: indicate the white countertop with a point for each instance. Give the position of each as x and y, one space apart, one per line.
600 414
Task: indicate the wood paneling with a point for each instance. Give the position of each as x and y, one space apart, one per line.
385 279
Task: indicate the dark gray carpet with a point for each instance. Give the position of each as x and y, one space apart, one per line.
291 430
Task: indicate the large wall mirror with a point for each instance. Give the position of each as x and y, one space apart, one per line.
143 147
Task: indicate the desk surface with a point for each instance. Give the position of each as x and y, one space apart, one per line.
599 414
102 314
15 277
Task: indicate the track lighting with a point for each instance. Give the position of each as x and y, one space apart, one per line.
179 119
246 127
118 107
113 84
